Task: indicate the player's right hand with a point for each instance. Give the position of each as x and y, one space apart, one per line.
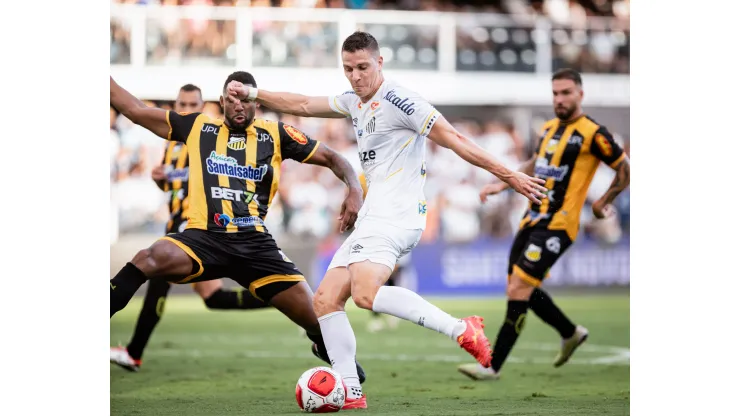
492 189
528 186
158 173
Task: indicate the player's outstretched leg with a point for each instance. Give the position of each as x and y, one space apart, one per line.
379 321
216 297
339 337
129 357
163 258
572 336
369 293
296 303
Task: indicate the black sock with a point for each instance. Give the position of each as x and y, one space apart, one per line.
516 313
542 305
151 313
234 299
123 286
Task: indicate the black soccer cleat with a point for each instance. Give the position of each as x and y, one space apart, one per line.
325 358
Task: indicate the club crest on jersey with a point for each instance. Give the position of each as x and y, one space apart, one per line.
533 253
374 105
403 104
238 142
604 145
295 134
217 164
551 146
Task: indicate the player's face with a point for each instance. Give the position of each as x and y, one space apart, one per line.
238 114
189 102
566 98
362 69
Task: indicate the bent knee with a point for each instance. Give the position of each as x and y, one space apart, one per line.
324 303
364 299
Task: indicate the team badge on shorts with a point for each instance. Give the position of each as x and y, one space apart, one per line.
533 253
295 134
553 244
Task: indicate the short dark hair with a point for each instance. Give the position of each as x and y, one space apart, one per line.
191 88
568 73
360 40
242 76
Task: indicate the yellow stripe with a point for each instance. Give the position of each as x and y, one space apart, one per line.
527 277
177 185
339 108
221 141
198 205
408 141
312 151
252 161
276 161
555 160
393 173
192 255
273 279
424 126
167 117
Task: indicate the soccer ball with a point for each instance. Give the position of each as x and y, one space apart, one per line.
320 390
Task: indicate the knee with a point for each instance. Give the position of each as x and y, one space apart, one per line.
518 288
145 261
363 295
324 303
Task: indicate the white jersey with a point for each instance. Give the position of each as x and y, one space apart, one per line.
390 131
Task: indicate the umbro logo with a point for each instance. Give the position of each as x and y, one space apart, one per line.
356 248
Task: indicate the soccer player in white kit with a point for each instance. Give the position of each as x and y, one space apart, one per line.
390 123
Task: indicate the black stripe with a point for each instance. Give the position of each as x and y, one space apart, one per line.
265 150
238 151
569 158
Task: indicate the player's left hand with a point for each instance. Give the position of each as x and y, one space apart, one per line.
602 210
350 207
528 186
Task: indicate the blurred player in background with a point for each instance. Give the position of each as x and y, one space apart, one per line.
571 147
234 173
172 178
390 124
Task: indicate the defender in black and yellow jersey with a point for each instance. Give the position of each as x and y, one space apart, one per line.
234 171
172 177
570 149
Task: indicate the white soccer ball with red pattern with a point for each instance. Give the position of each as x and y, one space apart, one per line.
320 390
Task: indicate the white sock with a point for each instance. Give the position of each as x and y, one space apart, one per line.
342 347
405 304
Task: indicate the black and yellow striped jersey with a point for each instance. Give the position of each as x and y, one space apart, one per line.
234 175
175 164
567 157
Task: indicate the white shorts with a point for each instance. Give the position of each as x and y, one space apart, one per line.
376 241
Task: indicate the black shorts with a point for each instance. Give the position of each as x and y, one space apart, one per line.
534 251
251 259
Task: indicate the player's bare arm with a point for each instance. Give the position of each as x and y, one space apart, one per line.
494 188
152 119
602 208
159 177
327 157
445 135
284 102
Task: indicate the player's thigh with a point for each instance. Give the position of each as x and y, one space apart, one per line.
333 291
542 249
163 258
207 255
207 288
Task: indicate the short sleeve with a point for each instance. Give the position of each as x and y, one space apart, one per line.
605 148
294 144
341 103
180 125
411 110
